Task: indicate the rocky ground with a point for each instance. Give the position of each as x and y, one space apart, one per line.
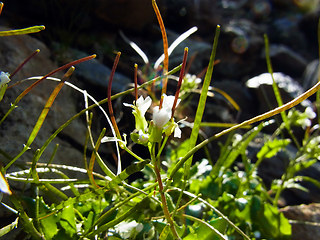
79 28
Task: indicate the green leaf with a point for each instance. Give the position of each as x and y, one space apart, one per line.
133 168
3 91
229 157
119 218
90 219
271 148
202 101
68 220
302 165
180 151
271 223
204 232
165 232
49 226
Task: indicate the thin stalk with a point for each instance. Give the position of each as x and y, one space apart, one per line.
202 103
93 157
277 92
165 50
24 62
156 163
318 93
86 141
184 61
28 225
136 82
113 120
164 203
216 211
162 147
28 30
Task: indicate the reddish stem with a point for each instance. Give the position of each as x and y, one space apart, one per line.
68 65
136 82
185 56
24 62
165 50
113 120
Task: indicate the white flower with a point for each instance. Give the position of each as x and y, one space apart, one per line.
142 105
177 131
4 78
129 229
192 79
162 116
168 102
310 113
139 110
305 123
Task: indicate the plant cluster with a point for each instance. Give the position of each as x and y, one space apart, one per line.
176 198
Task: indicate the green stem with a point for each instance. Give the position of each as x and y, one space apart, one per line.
164 203
26 220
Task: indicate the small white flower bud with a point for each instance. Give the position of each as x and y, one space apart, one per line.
4 78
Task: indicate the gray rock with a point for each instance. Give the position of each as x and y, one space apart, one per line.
286 60
262 87
199 48
311 74
239 46
97 74
306 218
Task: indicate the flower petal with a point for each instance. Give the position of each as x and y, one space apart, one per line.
143 104
160 117
128 105
177 132
168 102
